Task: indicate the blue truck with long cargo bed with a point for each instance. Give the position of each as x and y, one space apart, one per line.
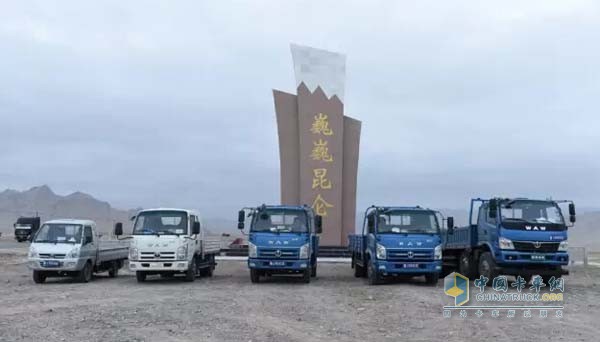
282 240
398 241
518 236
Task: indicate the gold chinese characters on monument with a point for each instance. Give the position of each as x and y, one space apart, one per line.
320 153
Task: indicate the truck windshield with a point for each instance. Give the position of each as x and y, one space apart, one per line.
531 211
160 223
406 222
59 233
280 221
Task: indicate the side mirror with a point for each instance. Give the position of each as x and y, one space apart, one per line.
493 208
450 223
196 228
241 218
572 209
319 224
118 229
371 221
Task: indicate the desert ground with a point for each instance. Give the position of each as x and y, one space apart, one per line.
227 307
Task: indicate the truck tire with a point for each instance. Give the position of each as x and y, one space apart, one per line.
465 265
113 272
39 277
358 271
487 266
432 278
254 276
210 270
313 271
190 274
140 276
306 276
374 276
85 275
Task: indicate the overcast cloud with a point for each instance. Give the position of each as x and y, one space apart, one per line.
169 103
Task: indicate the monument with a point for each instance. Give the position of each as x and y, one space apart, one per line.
318 144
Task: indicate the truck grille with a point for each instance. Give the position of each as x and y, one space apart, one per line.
157 256
539 247
410 255
51 256
279 253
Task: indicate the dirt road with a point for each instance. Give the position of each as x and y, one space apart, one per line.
334 307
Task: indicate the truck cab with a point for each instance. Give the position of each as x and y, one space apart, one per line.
505 236
282 240
168 242
398 241
73 248
26 227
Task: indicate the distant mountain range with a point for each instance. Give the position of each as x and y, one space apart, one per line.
42 201
48 205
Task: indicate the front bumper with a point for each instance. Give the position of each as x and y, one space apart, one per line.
278 264
526 263
511 258
407 267
64 265
150 266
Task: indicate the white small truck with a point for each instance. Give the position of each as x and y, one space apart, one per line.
72 248
168 242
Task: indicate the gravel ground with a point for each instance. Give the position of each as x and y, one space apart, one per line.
335 306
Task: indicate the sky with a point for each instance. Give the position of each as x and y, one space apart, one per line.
169 103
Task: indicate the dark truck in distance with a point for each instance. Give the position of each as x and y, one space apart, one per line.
26 227
282 240
398 241
516 236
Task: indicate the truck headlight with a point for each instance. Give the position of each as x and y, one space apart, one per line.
381 253
437 252
304 251
563 246
133 253
182 252
33 253
505 243
74 253
252 250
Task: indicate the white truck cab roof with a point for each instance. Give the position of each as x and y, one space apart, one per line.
72 221
189 212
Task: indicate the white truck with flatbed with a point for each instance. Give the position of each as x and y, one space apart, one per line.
73 248
169 242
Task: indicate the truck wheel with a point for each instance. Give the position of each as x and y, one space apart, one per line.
358 271
85 275
254 276
140 276
39 277
114 269
190 274
209 271
465 264
306 276
487 266
374 276
432 278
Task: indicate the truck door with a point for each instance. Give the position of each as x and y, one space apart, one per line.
88 248
487 225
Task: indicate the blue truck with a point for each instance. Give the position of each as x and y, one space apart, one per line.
518 236
398 241
282 240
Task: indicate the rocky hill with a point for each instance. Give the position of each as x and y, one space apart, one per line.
41 200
